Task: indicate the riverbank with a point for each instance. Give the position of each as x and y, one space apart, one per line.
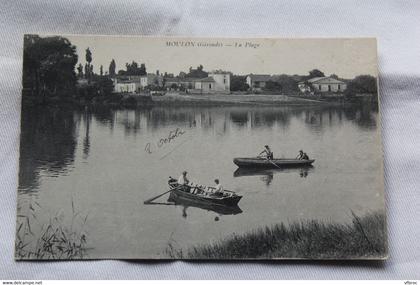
124 100
232 99
363 238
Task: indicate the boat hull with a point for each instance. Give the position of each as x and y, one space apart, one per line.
273 163
184 193
217 208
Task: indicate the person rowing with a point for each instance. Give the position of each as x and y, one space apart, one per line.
302 155
219 191
183 180
268 153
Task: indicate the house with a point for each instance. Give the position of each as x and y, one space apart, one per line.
127 86
257 82
221 81
186 83
215 82
151 79
204 85
136 83
322 84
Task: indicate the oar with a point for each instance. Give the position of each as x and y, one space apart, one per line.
154 198
273 163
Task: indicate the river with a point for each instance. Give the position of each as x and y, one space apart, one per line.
107 162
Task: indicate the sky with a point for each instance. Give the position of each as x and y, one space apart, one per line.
346 58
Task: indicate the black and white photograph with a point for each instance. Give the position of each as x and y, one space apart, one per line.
200 148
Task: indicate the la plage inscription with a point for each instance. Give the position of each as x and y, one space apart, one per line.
171 137
211 44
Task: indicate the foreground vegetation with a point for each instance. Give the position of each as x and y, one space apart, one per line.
56 239
365 237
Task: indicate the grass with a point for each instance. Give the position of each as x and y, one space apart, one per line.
59 238
364 237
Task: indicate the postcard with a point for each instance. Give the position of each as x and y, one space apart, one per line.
200 148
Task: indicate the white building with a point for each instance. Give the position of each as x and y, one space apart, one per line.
126 87
221 81
151 79
257 82
216 82
322 84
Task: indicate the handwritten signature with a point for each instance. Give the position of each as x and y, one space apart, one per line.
172 135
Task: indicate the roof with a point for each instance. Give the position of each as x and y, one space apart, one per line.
206 79
324 80
126 82
260 77
218 71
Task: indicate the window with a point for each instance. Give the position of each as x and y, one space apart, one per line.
339 87
209 85
329 88
224 80
319 87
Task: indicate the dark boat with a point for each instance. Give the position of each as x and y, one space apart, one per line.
218 209
203 195
257 162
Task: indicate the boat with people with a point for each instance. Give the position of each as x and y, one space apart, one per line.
202 194
262 162
219 209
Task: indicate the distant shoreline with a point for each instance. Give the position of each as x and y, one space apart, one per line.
232 99
121 100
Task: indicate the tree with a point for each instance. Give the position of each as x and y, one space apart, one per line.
87 70
112 67
362 84
80 70
197 73
335 76
273 86
134 69
48 63
238 83
315 73
288 84
88 56
142 69
105 85
88 67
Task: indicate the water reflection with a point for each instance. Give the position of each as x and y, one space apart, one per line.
267 175
47 144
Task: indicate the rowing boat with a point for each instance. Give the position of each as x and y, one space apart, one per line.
203 194
217 208
256 162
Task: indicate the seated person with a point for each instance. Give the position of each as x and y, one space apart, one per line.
300 155
183 180
219 188
268 153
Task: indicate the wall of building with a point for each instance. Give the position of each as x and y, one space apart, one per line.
330 87
222 82
126 87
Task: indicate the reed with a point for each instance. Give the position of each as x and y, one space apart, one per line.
364 237
59 238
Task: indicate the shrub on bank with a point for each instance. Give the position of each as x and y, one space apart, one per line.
364 238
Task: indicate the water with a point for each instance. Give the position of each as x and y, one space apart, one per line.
98 160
